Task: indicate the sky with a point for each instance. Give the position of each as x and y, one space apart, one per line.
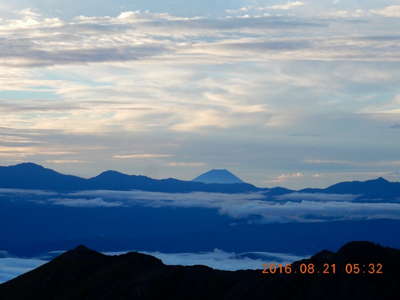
281 93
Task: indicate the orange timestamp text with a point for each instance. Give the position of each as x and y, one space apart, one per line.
327 269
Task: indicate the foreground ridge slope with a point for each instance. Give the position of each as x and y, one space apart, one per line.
86 274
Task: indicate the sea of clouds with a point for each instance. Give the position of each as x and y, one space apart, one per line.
291 207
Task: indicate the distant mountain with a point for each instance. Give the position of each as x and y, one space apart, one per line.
218 176
376 188
86 274
33 176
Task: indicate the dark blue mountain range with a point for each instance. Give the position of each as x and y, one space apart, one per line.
33 176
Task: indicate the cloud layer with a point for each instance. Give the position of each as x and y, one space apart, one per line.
287 208
221 260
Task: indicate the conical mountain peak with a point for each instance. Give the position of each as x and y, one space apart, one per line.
218 176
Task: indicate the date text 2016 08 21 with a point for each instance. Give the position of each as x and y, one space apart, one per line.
328 269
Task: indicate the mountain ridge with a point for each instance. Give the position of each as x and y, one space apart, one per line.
372 188
83 273
33 176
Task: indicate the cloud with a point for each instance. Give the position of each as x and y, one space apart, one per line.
66 161
353 163
157 199
287 208
279 45
4 254
392 11
141 156
28 192
198 87
51 41
289 5
387 110
186 164
295 207
44 107
285 177
119 49
40 58
29 150
327 161
82 202
13 267
257 9
358 13
316 197
221 260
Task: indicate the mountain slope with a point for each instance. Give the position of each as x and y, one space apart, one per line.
33 176
85 274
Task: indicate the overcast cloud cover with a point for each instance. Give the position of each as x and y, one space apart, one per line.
298 93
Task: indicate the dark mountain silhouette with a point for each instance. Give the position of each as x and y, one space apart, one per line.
85 274
218 176
33 176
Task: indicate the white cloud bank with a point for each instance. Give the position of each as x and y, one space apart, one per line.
293 207
222 260
286 208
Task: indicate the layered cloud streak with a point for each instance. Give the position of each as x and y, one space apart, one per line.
287 208
32 40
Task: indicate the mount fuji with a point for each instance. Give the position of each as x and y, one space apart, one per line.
218 176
